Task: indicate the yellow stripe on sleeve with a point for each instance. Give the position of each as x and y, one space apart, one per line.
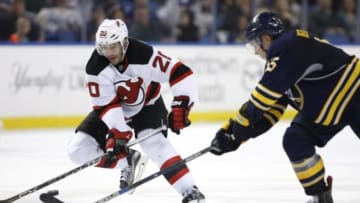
269 118
276 113
258 105
268 91
263 99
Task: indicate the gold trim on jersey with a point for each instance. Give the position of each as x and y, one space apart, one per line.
346 101
336 103
267 101
280 107
241 119
269 118
263 98
275 112
313 182
311 171
258 105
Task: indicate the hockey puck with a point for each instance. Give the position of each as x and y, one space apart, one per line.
49 197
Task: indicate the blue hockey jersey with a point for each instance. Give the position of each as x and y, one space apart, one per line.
318 79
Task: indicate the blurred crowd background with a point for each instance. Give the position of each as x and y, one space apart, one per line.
172 21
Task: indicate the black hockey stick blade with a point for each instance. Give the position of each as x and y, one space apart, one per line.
154 175
77 169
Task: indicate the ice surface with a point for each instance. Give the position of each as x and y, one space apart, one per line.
258 172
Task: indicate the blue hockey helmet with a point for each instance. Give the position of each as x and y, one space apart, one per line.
265 22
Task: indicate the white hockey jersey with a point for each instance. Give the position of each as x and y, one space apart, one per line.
121 91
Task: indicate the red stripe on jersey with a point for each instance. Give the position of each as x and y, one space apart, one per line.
176 66
177 174
179 72
180 78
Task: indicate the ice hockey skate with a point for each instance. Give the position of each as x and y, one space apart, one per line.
139 171
193 196
325 196
134 170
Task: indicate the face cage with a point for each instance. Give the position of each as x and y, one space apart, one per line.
253 45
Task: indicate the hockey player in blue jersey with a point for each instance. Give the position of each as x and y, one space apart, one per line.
318 79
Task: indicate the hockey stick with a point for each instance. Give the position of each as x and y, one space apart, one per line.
77 169
154 175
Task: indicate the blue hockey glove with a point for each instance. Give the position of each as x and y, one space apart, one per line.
225 141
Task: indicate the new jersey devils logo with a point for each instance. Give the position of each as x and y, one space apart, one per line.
131 91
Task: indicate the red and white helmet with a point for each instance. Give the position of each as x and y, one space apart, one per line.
110 32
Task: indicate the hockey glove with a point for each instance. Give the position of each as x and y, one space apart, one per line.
225 141
116 147
245 128
179 116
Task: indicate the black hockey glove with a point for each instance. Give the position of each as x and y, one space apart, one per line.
179 116
225 141
116 147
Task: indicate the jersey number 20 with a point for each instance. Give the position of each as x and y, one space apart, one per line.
162 61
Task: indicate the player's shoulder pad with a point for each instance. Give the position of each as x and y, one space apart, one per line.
138 52
96 63
285 42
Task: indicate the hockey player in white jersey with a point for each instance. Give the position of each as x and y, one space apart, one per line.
124 77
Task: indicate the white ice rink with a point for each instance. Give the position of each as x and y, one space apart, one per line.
258 172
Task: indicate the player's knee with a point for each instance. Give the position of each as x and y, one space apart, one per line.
297 144
82 148
157 147
152 144
288 140
76 154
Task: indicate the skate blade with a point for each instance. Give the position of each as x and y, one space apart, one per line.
140 170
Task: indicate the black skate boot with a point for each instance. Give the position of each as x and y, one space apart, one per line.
128 173
325 196
193 196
